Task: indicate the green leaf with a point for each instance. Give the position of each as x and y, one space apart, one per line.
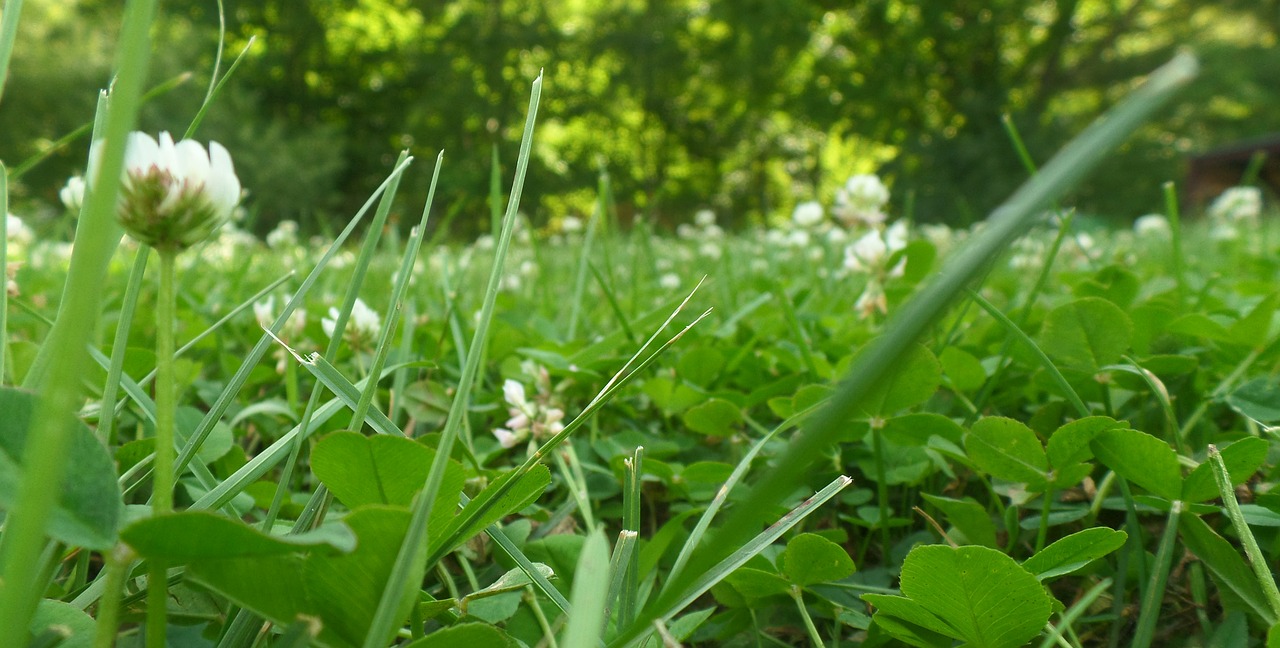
700 365
908 621
1258 399
1236 582
1007 449
1086 334
1255 326
465 635
1242 458
1140 458
968 517
87 513
918 428
192 536
755 584
1074 551
342 591
811 559
50 614
912 382
384 469
1069 444
489 507
964 370
715 417
987 597
215 445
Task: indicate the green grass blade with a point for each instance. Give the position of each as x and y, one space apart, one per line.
1067 391
410 561
613 303
1153 597
704 582
8 35
580 279
631 490
4 258
62 359
586 624
111 390
1259 563
397 298
624 555
539 581
237 381
1005 224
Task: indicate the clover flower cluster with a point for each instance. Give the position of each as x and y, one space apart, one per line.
363 326
530 419
1235 209
265 312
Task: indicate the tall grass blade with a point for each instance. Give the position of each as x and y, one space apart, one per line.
8 35
586 624
411 560
62 359
1005 224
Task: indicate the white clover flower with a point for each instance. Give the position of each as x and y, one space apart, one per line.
265 312
507 438
669 281
1028 254
807 214
712 231
837 236
711 250
528 268
867 253
513 393
529 418
775 237
799 239
175 195
285 235
72 194
1155 225
872 300
485 242
362 328
941 236
17 232
1237 204
862 199
571 224
704 218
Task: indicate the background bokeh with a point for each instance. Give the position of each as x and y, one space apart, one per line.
743 106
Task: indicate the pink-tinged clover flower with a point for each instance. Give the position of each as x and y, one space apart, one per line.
176 194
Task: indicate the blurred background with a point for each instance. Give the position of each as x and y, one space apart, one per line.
746 107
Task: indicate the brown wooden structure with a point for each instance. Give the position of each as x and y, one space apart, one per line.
1212 172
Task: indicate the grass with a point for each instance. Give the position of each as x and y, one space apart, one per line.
715 441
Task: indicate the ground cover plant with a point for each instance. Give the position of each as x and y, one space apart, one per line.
846 429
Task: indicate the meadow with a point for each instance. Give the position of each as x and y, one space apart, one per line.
848 427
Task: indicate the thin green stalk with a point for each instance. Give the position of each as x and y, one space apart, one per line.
923 310
166 411
1045 505
4 253
1261 567
410 561
8 34
1154 596
882 490
111 390
1175 240
580 280
62 359
629 603
117 561
798 596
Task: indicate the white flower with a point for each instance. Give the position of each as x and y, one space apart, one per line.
175 195
807 214
1152 225
16 231
941 236
669 281
704 217
862 199
265 312
710 249
485 242
507 438
285 235
513 393
362 328
798 238
1237 204
867 253
872 300
72 194
570 224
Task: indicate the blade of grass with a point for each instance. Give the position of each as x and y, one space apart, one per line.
580 278
665 611
628 606
1016 333
397 298
586 624
1076 610
62 360
1261 567
1154 595
4 249
111 390
8 35
621 561
215 83
613 303
410 561
1005 224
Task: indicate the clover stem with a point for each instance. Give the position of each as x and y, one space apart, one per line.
162 484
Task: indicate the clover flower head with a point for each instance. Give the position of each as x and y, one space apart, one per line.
284 236
704 218
669 281
807 214
1155 225
571 225
175 194
862 200
872 300
72 193
529 418
16 231
363 327
870 254
1237 204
